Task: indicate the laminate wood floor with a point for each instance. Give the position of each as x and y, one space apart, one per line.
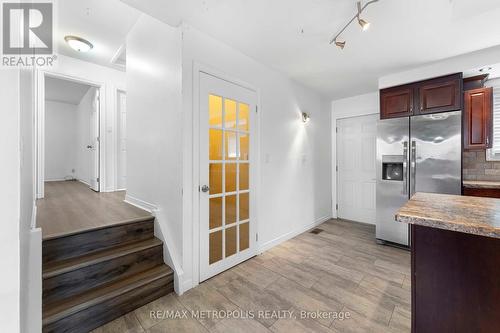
71 206
340 270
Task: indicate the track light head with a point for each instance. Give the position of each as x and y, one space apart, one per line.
364 24
340 44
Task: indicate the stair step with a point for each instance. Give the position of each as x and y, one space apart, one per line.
91 241
66 278
100 305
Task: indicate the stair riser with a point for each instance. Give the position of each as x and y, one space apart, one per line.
98 315
72 283
96 240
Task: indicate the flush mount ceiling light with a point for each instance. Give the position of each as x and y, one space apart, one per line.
363 23
78 44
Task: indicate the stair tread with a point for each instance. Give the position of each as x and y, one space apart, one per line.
76 232
64 308
60 267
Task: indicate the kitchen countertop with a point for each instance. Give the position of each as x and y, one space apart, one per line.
472 215
481 184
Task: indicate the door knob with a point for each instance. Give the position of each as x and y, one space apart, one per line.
89 147
205 188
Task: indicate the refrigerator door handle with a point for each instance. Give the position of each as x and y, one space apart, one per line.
413 169
405 167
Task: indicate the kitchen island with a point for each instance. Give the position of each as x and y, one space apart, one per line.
455 251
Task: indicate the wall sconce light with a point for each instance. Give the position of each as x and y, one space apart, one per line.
305 117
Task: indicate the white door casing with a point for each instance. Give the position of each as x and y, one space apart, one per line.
94 146
356 176
228 146
121 157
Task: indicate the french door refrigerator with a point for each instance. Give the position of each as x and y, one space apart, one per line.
415 154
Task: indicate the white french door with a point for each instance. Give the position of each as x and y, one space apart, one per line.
228 149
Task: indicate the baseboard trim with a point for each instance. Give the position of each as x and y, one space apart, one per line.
184 286
33 216
149 207
83 182
289 235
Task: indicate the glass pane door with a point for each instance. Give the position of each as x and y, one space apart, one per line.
229 195
227 173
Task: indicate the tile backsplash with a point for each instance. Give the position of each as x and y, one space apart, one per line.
475 166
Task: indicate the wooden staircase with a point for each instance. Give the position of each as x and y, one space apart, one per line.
93 277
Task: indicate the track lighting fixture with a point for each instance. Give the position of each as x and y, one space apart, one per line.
340 44
363 23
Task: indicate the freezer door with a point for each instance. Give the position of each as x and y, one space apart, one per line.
436 153
392 178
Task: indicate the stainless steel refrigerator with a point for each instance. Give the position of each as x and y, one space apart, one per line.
415 154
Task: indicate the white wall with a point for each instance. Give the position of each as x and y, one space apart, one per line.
111 80
60 140
456 64
355 106
295 165
30 236
294 190
154 127
9 200
83 137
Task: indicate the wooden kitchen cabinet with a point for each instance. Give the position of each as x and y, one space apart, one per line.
482 192
396 102
478 118
440 95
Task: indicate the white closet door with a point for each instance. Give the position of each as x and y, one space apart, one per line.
356 176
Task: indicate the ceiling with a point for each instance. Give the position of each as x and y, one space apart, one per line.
492 70
64 91
104 23
293 35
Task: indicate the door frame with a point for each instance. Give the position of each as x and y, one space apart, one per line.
40 76
116 93
199 68
335 116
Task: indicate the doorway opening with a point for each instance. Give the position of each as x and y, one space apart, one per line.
72 139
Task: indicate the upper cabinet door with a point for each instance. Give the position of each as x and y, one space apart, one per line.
440 95
396 102
478 118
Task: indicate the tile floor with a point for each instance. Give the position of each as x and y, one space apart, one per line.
340 271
